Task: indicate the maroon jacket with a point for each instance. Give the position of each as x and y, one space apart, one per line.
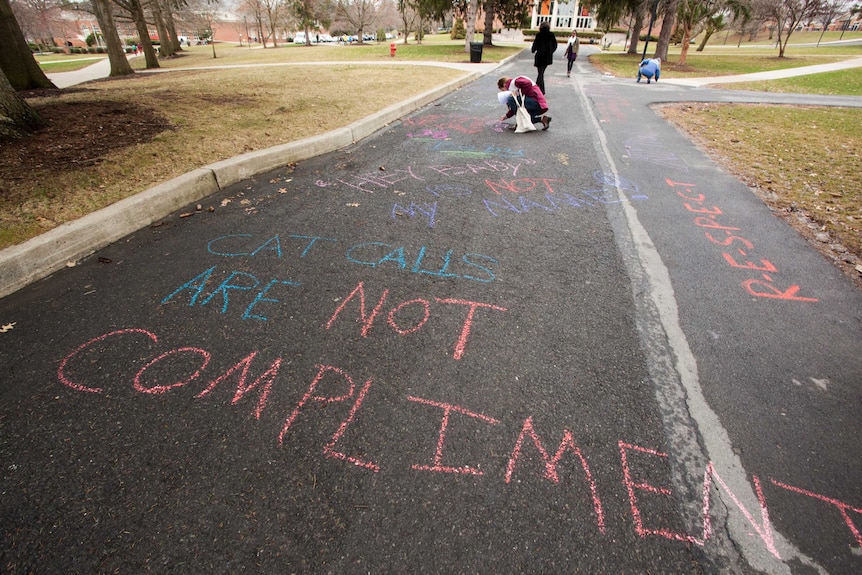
529 89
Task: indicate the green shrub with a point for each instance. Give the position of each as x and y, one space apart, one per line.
459 32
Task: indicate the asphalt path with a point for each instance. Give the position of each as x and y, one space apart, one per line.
448 348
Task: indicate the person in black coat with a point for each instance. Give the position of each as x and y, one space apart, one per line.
544 45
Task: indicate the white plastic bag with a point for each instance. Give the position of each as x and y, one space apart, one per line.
524 122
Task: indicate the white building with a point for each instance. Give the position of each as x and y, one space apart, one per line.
565 15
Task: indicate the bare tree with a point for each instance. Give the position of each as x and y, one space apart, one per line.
136 10
308 12
470 12
734 11
692 16
17 118
17 62
638 12
272 9
788 14
103 10
667 25
356 15
253 10
39 19
410 16
831 10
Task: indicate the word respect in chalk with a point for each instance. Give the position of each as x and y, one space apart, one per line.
737 248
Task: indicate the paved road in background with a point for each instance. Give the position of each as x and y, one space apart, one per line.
448 348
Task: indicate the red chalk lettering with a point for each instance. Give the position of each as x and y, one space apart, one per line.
773 292
631 487
503 186
767 265
729 240
468 322
61 370
764 529
714 211
159 389
441 438
673 184
521 185
566 444
322 370
329 450
264 380
710 223
842 507
418 326
700 197
367 321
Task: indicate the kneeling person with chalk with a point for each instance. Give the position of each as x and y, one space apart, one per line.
534 99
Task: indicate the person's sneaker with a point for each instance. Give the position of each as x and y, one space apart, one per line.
546 122
648 81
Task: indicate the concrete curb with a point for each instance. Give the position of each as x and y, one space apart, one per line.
41 256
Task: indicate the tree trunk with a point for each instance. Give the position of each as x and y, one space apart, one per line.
116 55
686 41
16 61
17 118
168 13
470 23
706 36
636 32
490 12
137 12
666 30
167 47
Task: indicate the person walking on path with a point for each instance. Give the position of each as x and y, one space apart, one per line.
572 47
534 99
544 46
651 67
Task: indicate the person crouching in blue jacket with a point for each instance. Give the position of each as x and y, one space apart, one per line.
651 68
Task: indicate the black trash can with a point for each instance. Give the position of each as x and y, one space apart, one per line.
475 52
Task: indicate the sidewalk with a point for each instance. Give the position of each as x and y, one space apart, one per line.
771 75
100 69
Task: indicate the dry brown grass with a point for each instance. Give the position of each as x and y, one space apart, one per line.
214 114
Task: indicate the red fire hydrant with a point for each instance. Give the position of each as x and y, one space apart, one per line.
392 49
